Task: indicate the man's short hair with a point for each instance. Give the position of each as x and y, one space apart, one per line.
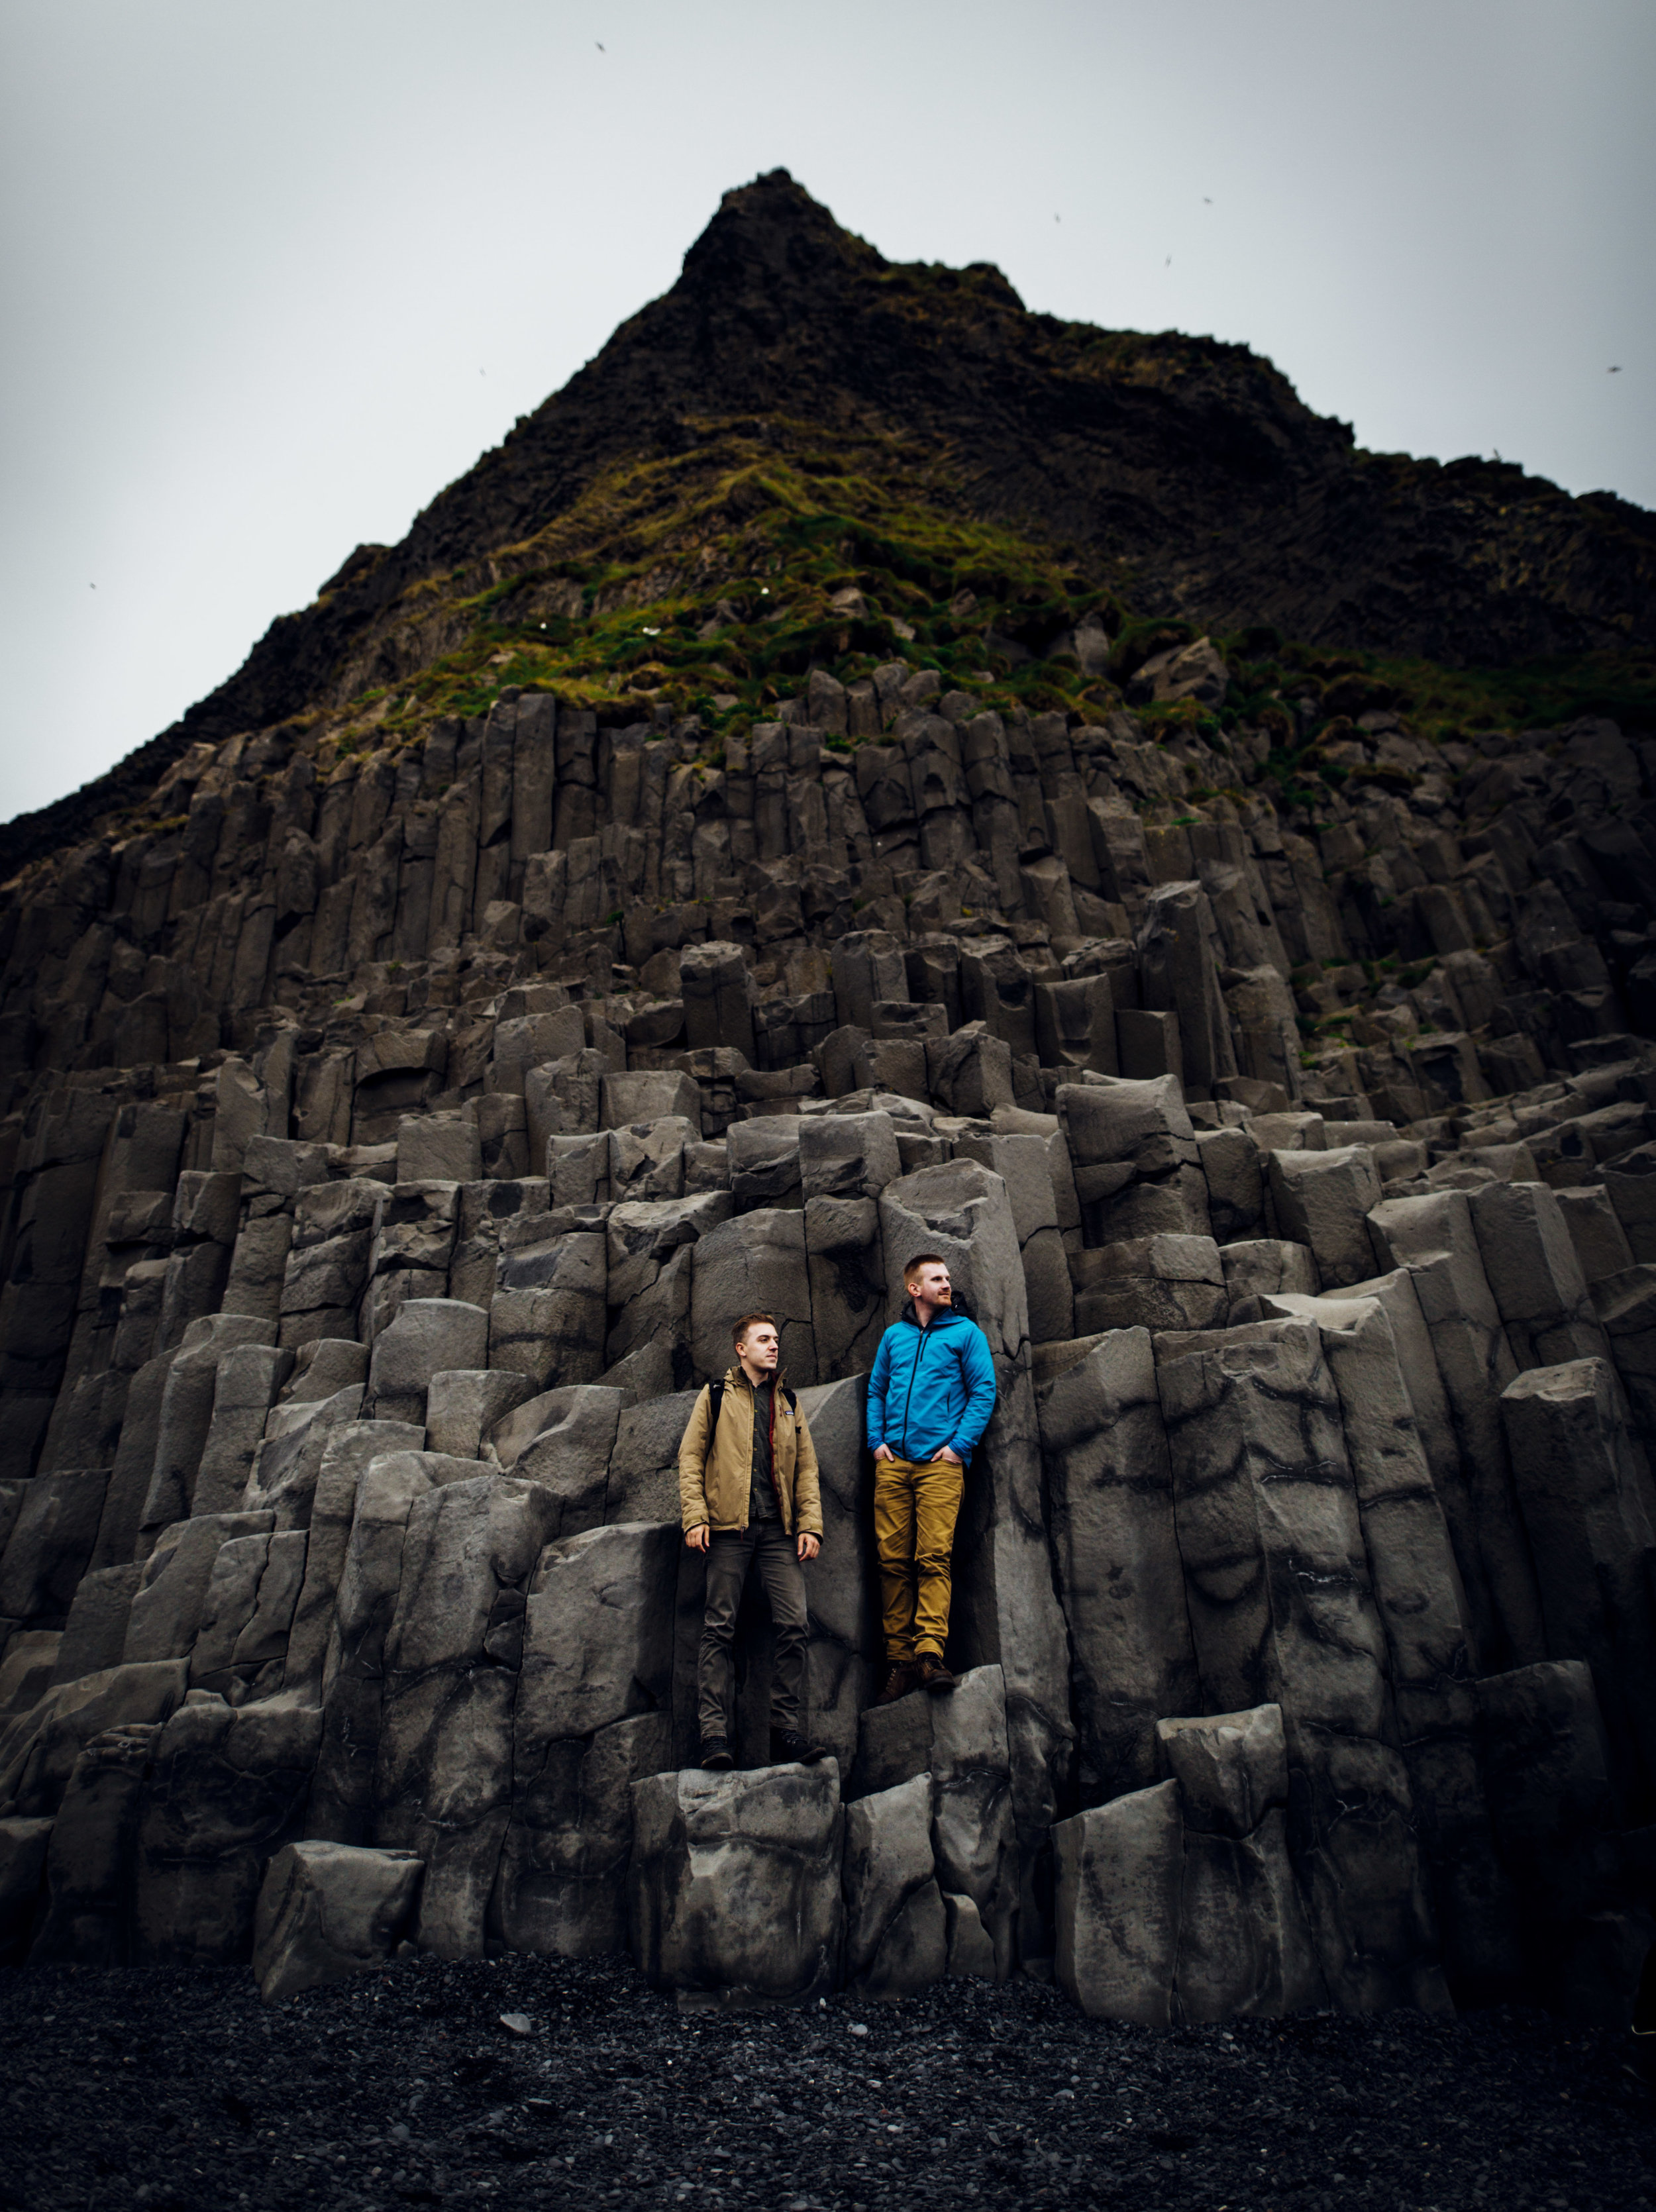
747 1322
912 1267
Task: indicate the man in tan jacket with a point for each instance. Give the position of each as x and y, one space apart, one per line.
747 1484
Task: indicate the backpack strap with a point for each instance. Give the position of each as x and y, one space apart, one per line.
792 1403
715 1399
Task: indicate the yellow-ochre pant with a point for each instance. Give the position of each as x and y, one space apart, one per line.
915 1506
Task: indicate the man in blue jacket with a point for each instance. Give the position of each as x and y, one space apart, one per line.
929 1399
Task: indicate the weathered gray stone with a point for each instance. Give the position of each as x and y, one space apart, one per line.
718 994
591 1718
50 1545
734 1882
326 1911
297 1440
167 1607
1245 1949
1583 1488
651 1097
1280 1605
1023 1163
1116 1555
383 1494
847 1155
1178 952
258 1267
228 1791
464 1404
568 1452
1434 1238
963 1746
845 1262
38 1752
1151 1282
1120 1881
896 1935
247 1381
436 1148
1323 1199
1422 1604
969 1071
427 1336
347 1453
1417 1583
248 1611
1265 1266
1600 1241
555 1334
443 1776
578 1169
28 1669
1232 1768
647 1159
1529 1258
187 1416
1075 1023
95 1634
324 1367
643 1475
844 1659
91 1859
1354 1839
764 1162
1236 1198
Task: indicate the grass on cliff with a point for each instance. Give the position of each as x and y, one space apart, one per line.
712 582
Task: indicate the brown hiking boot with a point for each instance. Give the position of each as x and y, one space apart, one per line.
933 1673
902 1678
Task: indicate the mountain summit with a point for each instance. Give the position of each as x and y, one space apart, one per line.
1183 474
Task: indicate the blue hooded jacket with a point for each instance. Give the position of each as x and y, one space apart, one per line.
931 1387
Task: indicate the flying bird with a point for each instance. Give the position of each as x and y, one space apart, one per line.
598 43
1168 263
1206 202
1615 371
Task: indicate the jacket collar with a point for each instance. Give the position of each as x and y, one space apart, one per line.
736 1377
959 1310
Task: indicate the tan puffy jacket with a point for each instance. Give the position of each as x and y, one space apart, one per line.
714 1492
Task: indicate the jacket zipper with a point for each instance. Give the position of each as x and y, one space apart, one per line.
913 1372
774 1484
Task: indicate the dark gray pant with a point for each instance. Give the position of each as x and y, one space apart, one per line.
768 1546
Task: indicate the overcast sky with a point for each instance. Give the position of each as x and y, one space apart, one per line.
273 274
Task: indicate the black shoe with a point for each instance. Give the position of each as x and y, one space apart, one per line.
789 1748
903 1677
933 1674
715 1755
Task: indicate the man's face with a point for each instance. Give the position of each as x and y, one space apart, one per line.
932 1283
761 1346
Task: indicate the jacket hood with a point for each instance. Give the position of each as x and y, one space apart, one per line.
958 1309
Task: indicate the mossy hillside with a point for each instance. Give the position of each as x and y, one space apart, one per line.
712 581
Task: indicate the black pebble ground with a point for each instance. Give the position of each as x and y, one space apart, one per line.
178 2092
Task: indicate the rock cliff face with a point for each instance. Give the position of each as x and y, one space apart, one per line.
398 1109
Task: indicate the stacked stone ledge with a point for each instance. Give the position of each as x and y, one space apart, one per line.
388 1154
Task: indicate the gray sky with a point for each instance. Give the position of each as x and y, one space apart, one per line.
273 274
